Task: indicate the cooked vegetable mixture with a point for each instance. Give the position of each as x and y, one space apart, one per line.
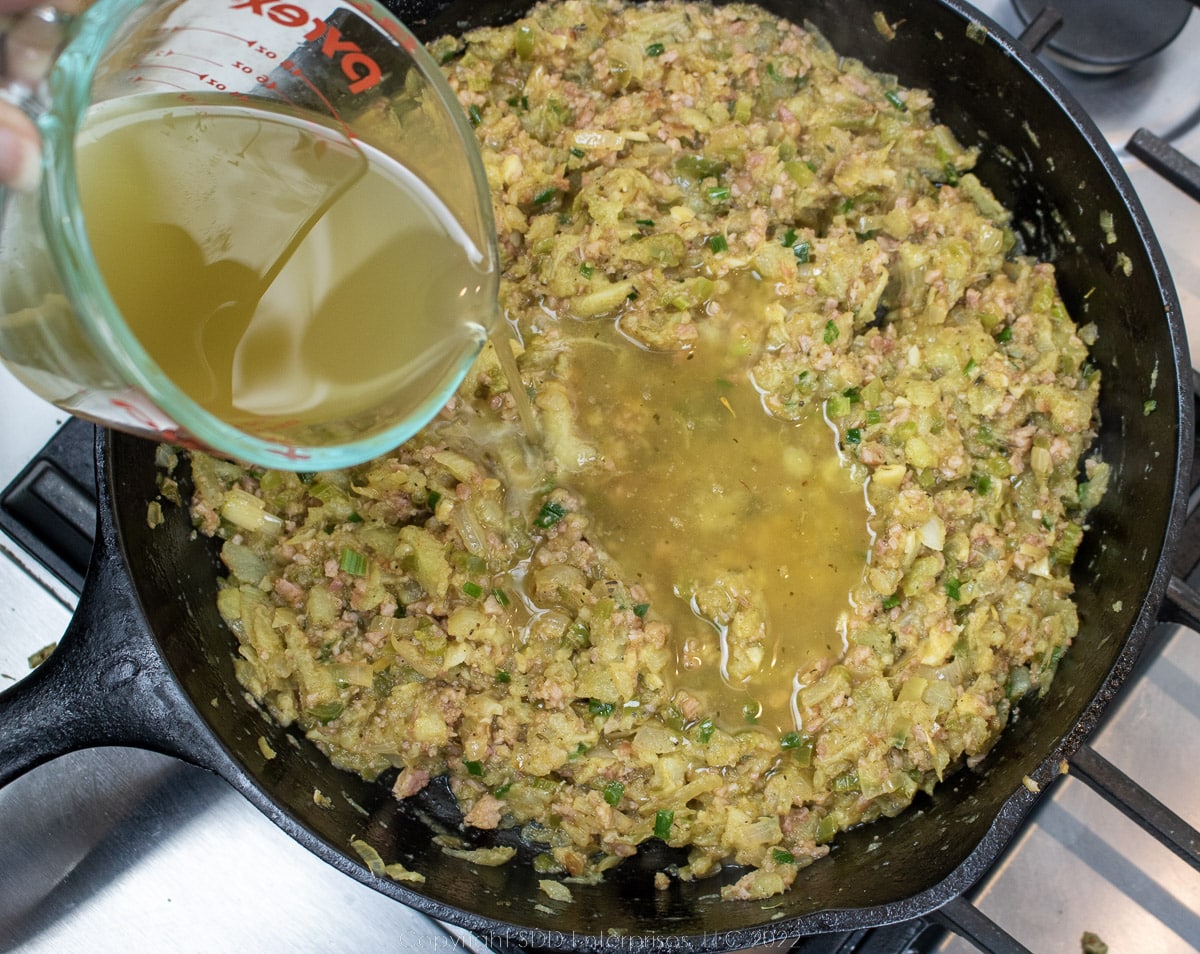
811 473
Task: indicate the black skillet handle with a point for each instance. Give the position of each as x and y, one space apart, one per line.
105 683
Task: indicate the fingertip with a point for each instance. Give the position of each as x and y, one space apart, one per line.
20 150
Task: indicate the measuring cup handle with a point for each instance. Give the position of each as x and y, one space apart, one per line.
105 683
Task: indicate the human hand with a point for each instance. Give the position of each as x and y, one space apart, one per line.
30 43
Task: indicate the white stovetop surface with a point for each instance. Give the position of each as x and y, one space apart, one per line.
134 850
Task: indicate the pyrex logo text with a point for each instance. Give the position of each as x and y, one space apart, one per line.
359 68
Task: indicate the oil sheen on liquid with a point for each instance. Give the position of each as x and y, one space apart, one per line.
292 283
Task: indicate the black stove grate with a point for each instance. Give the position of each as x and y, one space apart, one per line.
50 508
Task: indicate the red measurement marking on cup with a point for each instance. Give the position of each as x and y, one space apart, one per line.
171 51
287 452
201 67
204 75
251 43
236 37
169 431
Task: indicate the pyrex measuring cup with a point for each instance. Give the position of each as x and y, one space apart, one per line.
262 227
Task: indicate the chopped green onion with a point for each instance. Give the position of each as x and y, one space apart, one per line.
613 793
873 417
971 367
826 828
698 168
954 589
718 243
501 790
846 782
854 436
789 238
802 251
803 750
893 97
846 205
355 517
783 857
577 152
718 194
501 596
664 818
524 42
655 49
473 768
649 223
854 394
546 196
891 602
705 730
950 174
831 331
982 483
578 635
1005 334
632 296
586 270
550 514
598 708
474 114
432 498
503 676
472 589
837 405
352 562
790 740
326 712
641 609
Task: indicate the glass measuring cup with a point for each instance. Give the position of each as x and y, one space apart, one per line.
262 228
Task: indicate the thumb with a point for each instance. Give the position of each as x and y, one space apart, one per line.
20 152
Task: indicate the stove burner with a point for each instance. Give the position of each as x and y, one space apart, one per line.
1107 36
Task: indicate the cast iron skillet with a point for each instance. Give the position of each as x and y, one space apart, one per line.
146 660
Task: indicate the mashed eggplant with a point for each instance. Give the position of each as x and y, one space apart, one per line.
814 469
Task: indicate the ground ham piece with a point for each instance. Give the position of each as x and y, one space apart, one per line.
485 813
409 782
